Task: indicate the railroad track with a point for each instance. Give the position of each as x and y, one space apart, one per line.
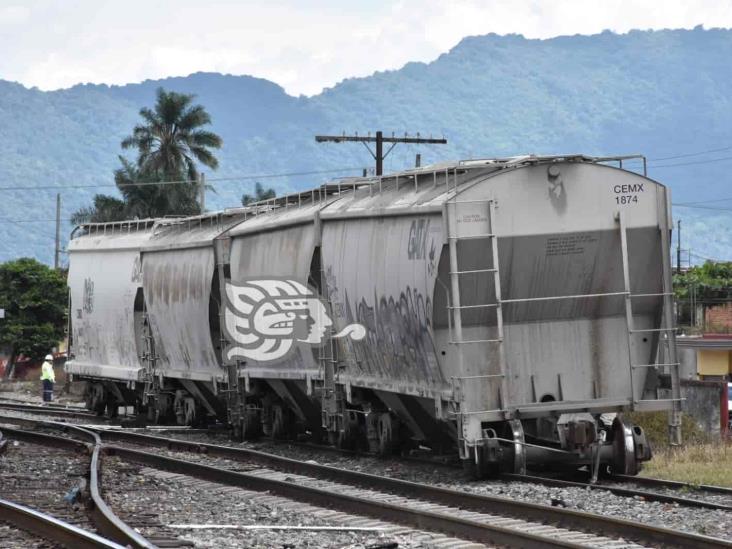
721 497
50 410
671 484
612 484
278 465
723 504
51 480
99 516
25 520
276 475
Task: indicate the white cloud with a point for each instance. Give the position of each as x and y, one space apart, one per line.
304 46
13 15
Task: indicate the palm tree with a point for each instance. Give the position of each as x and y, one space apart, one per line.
169 142
104 208
144 199
259 194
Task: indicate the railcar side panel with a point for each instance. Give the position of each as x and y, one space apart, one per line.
104 288
287 253
177 286
381 273
559 236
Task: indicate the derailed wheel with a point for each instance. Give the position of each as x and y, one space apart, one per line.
514 460
630 447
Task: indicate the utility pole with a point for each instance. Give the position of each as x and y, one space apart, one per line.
202 191
678 249
57 249
379 155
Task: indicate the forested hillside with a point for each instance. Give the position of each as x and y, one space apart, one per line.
664 94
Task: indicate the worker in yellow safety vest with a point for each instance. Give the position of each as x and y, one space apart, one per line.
48 378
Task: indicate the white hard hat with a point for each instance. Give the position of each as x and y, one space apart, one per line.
49 357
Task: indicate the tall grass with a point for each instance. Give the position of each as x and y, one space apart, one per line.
701 459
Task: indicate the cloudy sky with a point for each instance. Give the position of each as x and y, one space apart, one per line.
303 45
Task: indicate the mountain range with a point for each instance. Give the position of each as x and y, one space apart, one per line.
665 94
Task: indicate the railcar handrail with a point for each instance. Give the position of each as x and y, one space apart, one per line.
95 228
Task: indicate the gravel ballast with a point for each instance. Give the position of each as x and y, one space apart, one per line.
178 500
716 523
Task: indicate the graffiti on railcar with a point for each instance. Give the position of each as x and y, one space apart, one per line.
398 341
417 244
332 293
87 299
421 243
137 270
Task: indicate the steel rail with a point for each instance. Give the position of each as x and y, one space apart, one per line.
55 404
51 528
47 410
422 519
651 482
576 520
672 484
416 518
619 491
106 521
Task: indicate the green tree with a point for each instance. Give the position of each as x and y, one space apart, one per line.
170 143
34 297
712 280
104 208
171 140
260 193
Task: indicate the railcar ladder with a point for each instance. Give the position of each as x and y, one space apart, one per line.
331 398
151 385
666 332
455 306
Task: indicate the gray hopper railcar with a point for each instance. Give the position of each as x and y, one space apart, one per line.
512 308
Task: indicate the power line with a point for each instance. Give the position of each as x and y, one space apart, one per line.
707 258
177 182
692 204
691 154
702 207
650 163
708 161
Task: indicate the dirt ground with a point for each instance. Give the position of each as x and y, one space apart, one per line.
31 391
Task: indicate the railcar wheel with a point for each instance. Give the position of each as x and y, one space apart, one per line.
251 423
372 431
386 434
515 461
630 447
112 407
189 407
281 422
481 468
96 400
350 433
